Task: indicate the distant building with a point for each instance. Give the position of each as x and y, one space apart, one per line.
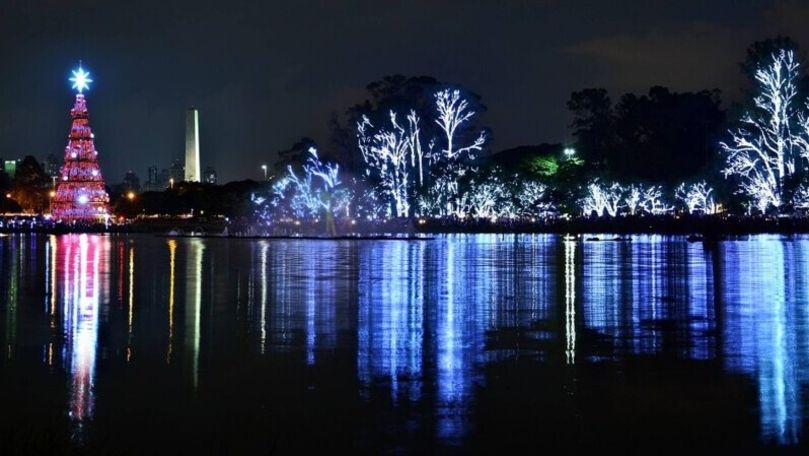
163 178
177 171
192 165
131 181
10 167
210 175
157 181
152 175
51 166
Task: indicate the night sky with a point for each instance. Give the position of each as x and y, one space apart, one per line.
266 73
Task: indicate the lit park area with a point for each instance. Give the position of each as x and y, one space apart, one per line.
496 227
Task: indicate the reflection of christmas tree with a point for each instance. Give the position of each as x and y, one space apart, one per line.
80 193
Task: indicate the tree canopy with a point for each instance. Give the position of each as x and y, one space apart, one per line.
661 137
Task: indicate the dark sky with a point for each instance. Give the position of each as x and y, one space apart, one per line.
264 73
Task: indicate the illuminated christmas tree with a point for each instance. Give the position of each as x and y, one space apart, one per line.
80 193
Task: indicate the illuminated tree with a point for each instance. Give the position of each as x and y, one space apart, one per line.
642 199
329 195
80 193
317 191
602 199
532 198
488 198
697 198
763 152
368 203
800 199
295 195
633 199
452 159
430 202
408 171
386 154
263 210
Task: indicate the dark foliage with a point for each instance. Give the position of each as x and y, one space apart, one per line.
230 200
30 186
296 155
662 137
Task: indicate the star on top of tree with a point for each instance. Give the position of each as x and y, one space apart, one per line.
81 79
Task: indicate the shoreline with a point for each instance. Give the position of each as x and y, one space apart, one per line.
707 227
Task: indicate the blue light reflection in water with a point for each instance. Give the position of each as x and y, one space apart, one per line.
765 332
419 322
390 321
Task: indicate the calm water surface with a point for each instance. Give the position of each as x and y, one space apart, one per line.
464 343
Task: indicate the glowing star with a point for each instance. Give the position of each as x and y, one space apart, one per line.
81 79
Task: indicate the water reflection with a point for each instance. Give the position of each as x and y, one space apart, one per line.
172 244
131 304
15 257
570 301
82 265
193 306
421 322
762 279
390 326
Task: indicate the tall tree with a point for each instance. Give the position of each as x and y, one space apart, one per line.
762 153
400 94
662 136
665 136
31 185
592 123
763 50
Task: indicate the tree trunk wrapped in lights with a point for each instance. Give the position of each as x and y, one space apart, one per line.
764 151
80 192
697 198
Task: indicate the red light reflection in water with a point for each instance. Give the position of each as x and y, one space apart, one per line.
82 262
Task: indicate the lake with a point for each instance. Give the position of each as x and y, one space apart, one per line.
135 344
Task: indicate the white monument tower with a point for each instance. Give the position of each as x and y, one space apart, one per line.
192 172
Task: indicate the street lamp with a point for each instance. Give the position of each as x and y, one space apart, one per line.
569 152
130 196
171 182
264 168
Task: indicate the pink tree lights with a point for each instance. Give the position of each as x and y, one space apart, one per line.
80 192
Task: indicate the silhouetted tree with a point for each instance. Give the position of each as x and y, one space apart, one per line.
31 185
662 137
593 123
295 156
666 136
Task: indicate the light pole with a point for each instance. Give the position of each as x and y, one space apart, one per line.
171 182
264 168
569 152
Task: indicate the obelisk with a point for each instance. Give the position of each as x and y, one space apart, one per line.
192 173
